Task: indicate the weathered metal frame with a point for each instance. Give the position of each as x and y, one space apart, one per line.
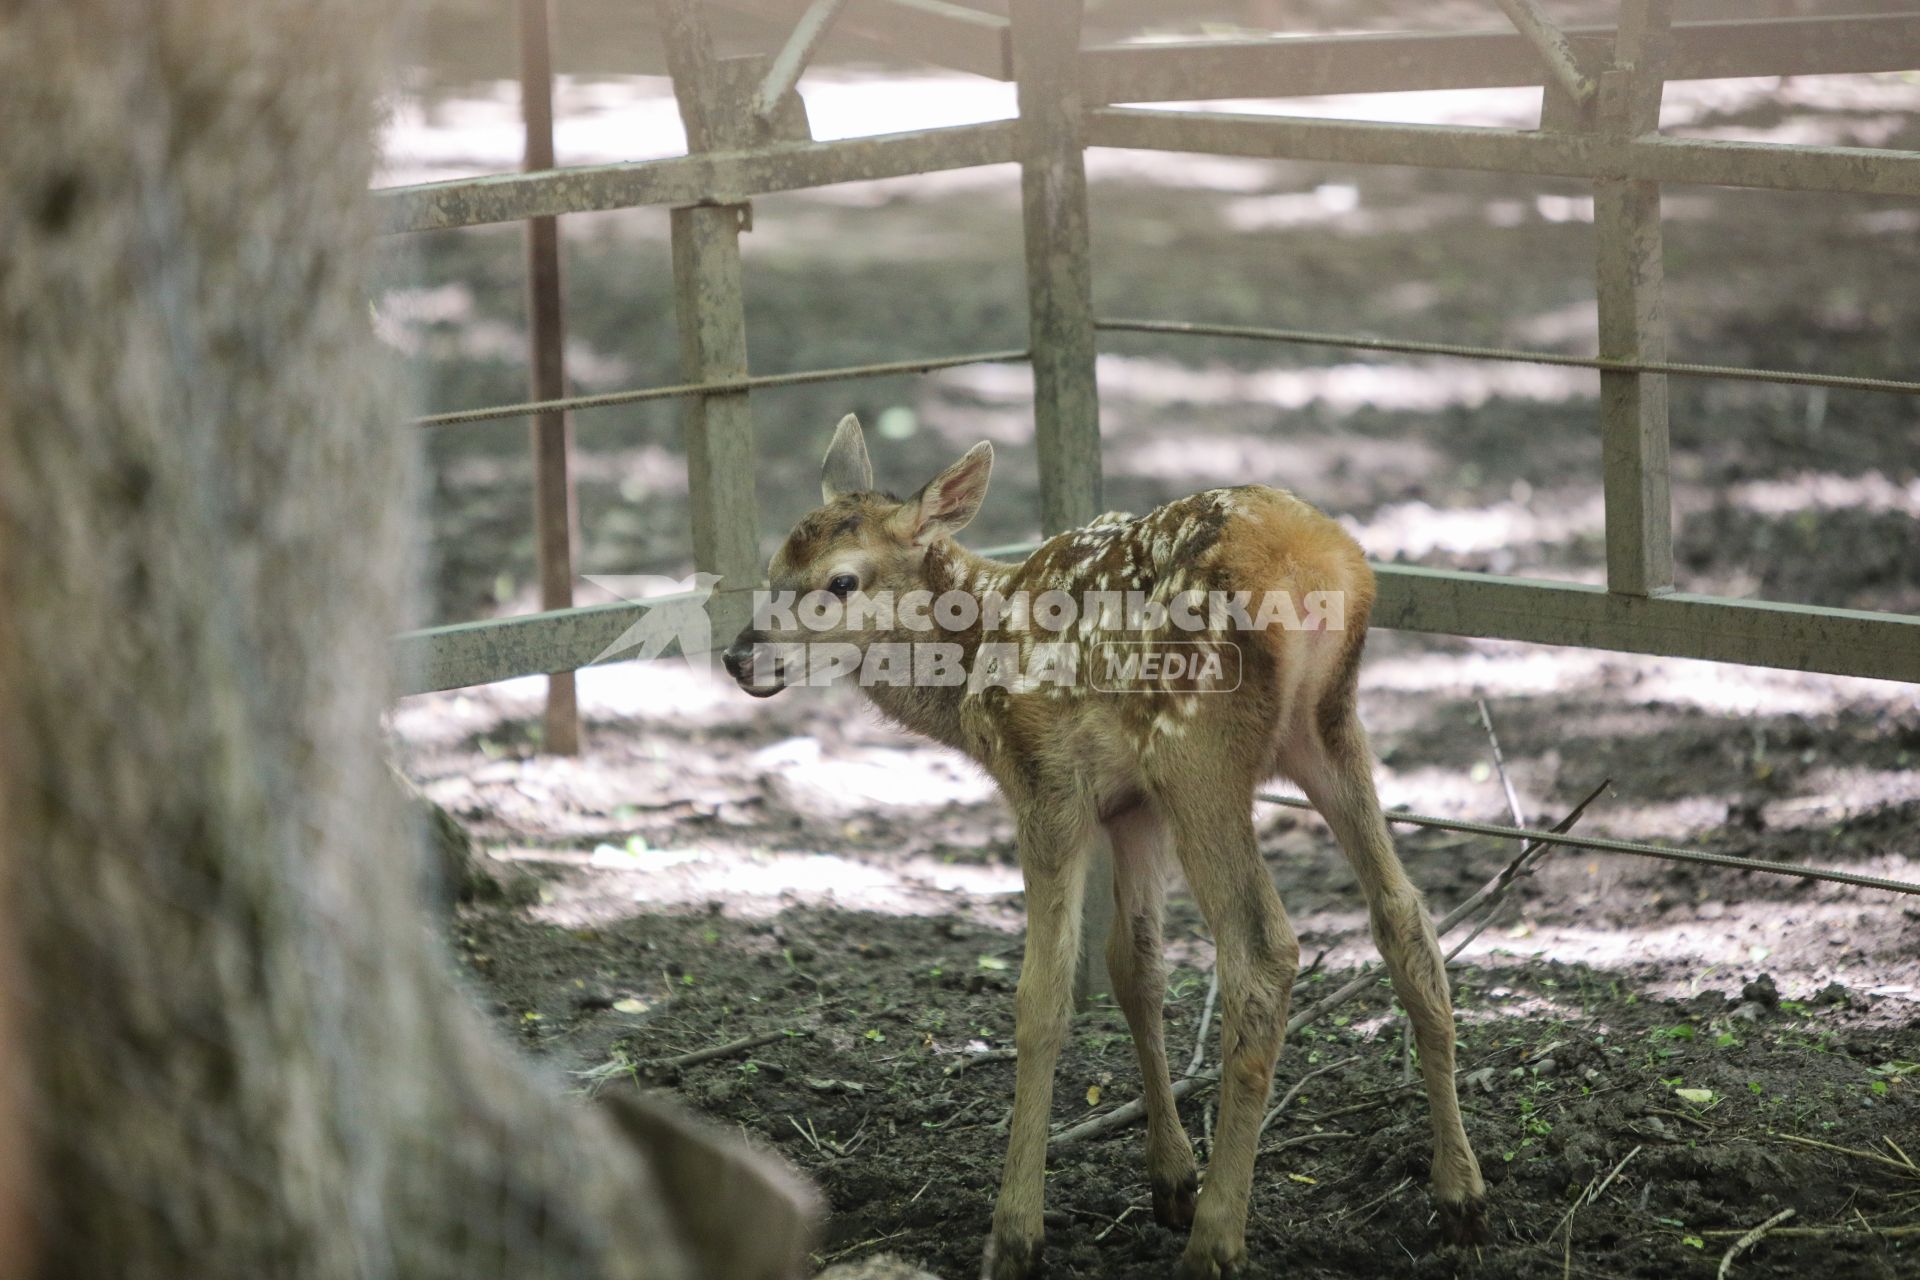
1492 59
946 35
1703 161
550 432
1609 139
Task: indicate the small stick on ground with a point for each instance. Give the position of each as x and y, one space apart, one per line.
1199 1058
1749 1240
1590 1196
1810 1233
1905 1164
1500 766
1125 1114
1294 1091
975 1059
717 1051
1377 1201
1302 1139
1109 1228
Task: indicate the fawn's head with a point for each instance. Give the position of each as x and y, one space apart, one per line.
858 543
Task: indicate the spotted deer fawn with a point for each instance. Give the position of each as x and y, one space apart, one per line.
1093 725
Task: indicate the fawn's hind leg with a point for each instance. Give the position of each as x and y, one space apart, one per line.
1336 772
1141 859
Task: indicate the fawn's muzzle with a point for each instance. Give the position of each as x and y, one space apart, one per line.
746 667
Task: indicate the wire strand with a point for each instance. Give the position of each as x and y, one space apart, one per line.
720 387
1604 844
1362 342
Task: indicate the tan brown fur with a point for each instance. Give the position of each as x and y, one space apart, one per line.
1168 768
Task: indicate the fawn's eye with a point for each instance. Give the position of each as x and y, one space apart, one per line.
843 583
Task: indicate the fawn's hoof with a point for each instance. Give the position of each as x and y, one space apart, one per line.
1464 1222
1212 1262
1010 1257
1173 1201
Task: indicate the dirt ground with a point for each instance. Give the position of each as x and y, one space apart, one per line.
716 868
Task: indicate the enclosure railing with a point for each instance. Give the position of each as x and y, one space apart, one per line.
748 136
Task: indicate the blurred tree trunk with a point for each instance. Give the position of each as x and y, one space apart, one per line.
238 1050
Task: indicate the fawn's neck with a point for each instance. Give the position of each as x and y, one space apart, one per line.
934 709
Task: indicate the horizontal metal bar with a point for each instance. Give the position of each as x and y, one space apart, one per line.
721 387
1697 857
1865 170
1760 633
1795 637
1720 163
473 653
947 35
1380 63
720 177
1360 342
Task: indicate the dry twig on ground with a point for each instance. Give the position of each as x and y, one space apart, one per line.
1749 1240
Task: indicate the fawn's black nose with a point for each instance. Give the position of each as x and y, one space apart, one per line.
738 656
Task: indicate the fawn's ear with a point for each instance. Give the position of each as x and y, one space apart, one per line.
951 499
846 469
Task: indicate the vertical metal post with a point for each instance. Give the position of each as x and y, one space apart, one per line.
1053 189
711 313
1633 406
553 506
1066 402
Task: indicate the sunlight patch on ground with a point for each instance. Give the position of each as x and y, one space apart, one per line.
666 689
756 884
1506 669
1804 948
1837 794
1824 491
1291 460
851 782
1408 387
1419 528
1336 207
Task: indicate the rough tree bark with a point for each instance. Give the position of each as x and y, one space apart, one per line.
236 1048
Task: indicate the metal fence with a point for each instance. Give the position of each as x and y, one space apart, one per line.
1599 121
747 136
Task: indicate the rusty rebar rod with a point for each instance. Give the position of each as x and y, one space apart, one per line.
1552 46
1606 845
1402 346
802 377
550 434
794 56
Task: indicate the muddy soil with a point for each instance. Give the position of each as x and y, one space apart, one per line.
794 873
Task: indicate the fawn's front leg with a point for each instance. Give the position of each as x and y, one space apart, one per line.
1054 841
